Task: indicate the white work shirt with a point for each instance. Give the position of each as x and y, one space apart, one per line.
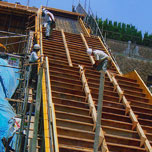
48 16
33 57
100 55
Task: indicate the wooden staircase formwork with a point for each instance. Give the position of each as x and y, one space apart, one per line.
126 117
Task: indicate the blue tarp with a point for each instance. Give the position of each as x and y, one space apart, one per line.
8 85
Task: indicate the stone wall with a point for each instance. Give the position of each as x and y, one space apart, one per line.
128 64
120 46
142 64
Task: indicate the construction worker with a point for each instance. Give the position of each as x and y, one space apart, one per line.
102 59
49 20
33 60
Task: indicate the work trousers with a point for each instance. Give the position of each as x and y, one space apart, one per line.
48 28
102 65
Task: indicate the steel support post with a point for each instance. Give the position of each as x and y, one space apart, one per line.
99 111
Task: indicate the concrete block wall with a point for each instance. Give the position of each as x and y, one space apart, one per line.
128 64
120 46
142 64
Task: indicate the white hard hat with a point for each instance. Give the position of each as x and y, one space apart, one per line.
36 47
89 51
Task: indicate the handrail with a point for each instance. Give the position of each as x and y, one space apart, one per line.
93 111
144 141
66 48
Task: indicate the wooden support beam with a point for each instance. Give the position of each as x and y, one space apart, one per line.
13 100
47 141
117 87
148 146
93 111
52 109
114 82
66 49
84 28
99 112
120 92
133 118
109 75
86 45
141 134
126 104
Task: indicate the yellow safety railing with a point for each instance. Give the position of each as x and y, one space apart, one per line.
49 118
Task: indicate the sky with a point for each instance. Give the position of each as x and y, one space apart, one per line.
135 12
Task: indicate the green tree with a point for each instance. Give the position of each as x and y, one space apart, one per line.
145 39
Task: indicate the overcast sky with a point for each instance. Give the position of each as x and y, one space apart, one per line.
135 12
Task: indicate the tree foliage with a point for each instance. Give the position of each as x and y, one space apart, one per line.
124 32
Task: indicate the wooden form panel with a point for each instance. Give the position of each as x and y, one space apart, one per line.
133 117
17 8
135 75
66 49
93 111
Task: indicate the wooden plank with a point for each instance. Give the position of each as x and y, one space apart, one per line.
126 104
136 76
92 107
148 146
45 115
141 134
66 49
14 100
84 28
86 45
120 92
114 81
133 117
52 109
97 143
18 7
75 14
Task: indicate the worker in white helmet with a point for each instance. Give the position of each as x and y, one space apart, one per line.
102 59
33 61
34 57
49 20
